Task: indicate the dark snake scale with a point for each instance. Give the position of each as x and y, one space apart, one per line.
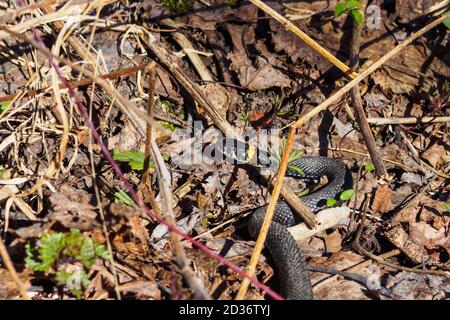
287 256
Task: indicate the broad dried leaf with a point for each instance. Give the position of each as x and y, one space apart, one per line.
399 238
72 214
143 289
434 154
415 286
295 48
382 201
261 76
425 235
333 242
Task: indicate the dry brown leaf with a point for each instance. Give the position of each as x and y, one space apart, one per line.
333 242
425 235
261 76
340 288
218 97
8 288
434 154
143 289
72 214
382 201
400 239
415 286
295 48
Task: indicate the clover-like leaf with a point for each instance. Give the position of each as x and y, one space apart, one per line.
347 194
331 202
369 167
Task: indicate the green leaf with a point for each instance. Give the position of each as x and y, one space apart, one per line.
296 169
296 155
352 4
447 22
48 250
87 252
101 252
446 206
123 197
74 281
369 167
331 202
357 16
168 125
347 194
134 158
340 9
5 105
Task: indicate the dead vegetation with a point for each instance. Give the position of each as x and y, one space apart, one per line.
98 101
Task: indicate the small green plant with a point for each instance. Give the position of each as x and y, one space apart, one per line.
369 167
67 257
244 116
331 202
344 196
123 197
5 105
295 155
447 22
446 206
173 108
177 6
352 7
134 158
206 219
168 125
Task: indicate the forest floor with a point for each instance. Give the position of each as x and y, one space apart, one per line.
71 227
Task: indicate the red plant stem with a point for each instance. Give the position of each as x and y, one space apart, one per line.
133 193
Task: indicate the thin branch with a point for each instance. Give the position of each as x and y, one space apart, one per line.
80 83
357 103
407 120
12 271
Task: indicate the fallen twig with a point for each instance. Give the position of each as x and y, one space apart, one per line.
360 115
12 271
407 120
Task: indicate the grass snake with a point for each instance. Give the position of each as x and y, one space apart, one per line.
287 256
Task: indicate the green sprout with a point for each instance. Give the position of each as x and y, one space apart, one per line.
5 105
244 116
122 197
446 206
134 158
295 155
351 6
206 219
177 6
344 196
447 22
168 125
369 167
66 257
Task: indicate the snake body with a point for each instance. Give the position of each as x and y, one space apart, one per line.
288 258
